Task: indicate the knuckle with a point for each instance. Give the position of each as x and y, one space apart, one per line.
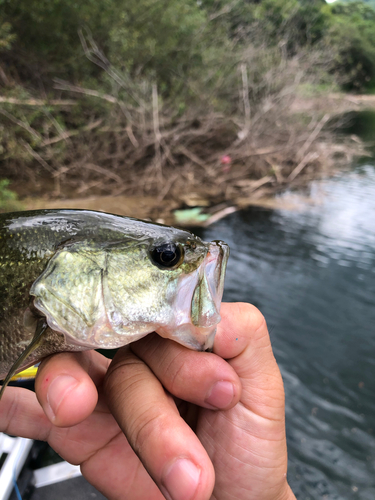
121 377
176 374
141 433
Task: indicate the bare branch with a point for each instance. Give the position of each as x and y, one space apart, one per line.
313 135
62 85
65 135
20 123
194 158
104 171
302 164
37 157
38 102
95 55
155 114
246 103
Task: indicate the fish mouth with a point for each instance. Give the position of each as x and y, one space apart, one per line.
205 312
216 263
198 301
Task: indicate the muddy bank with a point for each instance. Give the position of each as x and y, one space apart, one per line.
170 212
142 207
146 207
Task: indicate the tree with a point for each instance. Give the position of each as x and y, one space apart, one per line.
351 38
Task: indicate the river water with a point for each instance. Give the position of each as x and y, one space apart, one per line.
312 274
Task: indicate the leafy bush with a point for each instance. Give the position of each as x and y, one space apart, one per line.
6 36
351 38
8 199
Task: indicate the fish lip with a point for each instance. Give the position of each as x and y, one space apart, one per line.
196 329
210 284
216 263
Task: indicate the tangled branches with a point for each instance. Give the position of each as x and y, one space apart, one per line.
133 141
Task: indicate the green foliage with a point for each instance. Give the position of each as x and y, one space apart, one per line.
351 38
295 23
46 33
6 36
8 199
172 42
162 40
345 31
165 50
368 2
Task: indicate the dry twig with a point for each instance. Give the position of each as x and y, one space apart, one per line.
38 158
20 123
38 102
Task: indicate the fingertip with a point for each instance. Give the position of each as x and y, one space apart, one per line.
241 323
182 479
65 391
70 401
241 316
223 395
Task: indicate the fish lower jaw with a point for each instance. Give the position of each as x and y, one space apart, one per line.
190 336
104 334
99 338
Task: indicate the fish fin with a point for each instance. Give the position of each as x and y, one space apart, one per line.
39 331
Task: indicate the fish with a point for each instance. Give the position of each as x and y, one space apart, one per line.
72 280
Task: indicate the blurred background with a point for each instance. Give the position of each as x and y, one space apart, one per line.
249 121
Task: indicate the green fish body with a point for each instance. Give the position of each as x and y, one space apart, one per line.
75 280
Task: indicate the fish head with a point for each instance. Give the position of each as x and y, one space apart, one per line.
195 294
108 294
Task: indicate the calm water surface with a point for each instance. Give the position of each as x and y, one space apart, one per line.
312 274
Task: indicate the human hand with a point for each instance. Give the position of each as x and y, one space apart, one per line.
239 450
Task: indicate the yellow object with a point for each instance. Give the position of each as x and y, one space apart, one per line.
27 374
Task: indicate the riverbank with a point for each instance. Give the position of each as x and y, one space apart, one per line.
214 103
218 163
170 212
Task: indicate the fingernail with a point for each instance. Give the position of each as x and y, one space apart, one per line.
57 391
180 480
220 395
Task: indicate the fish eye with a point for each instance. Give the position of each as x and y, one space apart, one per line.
168 255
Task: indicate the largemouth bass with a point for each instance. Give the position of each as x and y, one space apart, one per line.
75 280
